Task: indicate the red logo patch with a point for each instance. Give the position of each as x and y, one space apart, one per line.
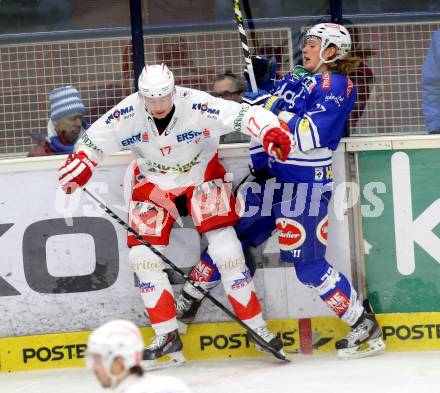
322 230
326 81
202 272
291 234
338 302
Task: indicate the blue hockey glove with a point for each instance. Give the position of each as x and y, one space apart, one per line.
265 71
258 98
266 100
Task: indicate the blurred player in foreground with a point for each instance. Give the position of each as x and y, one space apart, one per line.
114 355
175 133
315 101
65 125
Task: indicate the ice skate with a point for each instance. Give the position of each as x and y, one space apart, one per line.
187 307
273 340
363 340
165 351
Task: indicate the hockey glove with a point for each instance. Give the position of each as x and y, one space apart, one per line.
277 142
266 100
258 98
265 71
76 172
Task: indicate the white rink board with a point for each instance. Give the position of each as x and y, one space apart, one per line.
27 303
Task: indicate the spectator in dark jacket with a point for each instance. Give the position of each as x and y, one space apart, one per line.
65 124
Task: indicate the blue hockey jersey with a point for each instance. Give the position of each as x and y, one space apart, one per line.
315 107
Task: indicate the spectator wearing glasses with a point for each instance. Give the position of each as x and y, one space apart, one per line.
230 87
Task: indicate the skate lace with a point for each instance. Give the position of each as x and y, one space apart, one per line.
158 341
358 331
183 304
265 333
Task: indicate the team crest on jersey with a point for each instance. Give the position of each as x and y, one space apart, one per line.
322 230
291 234
319 173
145 137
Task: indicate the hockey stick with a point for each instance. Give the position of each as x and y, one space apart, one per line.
245 46
257 339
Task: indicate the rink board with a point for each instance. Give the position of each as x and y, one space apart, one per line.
64 265
205 341
201 342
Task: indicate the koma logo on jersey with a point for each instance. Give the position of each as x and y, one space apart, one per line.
204 108
118 113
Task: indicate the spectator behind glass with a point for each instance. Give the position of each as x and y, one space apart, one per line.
431 86
65 124
230 87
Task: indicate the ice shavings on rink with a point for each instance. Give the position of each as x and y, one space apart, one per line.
399 372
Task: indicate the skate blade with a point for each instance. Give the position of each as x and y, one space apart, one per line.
370 348
181 327
167 361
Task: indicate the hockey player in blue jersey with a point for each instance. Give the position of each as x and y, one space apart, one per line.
315 101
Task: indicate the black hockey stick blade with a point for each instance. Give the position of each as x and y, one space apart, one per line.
257 339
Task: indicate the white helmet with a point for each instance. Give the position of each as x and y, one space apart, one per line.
331 33
117 338
156 81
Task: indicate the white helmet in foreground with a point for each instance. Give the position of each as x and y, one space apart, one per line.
331 34
156 81
114 339
156 88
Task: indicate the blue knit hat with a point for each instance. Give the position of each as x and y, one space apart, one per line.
65 101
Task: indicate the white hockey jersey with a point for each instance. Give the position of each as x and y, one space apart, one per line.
151 384
180 155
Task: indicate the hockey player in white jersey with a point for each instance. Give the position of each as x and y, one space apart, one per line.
114 355
175 133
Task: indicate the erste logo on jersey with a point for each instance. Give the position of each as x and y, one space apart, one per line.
140 137
204 108
125 113
291 234
322 230
193 135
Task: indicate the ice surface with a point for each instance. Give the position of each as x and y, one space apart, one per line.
401 372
